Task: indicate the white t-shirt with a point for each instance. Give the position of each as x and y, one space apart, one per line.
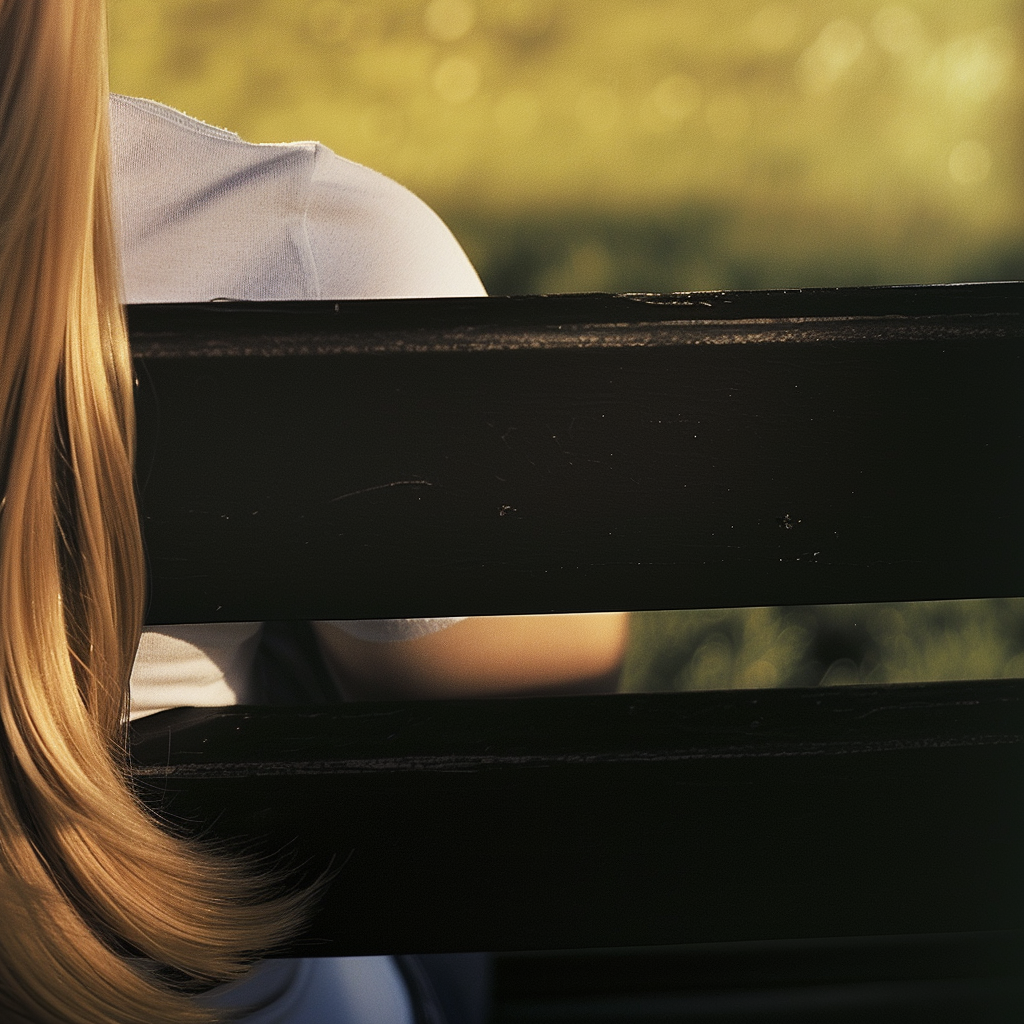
201 215
327 990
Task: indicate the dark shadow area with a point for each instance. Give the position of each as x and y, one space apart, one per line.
931 979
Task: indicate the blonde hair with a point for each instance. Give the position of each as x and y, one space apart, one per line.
100 906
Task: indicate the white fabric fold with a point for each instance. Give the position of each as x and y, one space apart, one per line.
202 214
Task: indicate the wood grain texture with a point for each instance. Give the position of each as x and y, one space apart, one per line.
580 453
546 823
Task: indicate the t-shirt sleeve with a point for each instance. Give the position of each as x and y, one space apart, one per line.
371 238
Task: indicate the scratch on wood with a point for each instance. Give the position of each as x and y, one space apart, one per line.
384 487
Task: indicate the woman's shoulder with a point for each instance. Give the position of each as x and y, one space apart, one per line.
373 238
204 214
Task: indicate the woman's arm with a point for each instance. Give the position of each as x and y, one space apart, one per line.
485 656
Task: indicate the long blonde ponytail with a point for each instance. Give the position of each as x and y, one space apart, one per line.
99 906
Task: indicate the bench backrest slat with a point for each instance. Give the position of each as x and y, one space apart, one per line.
432 457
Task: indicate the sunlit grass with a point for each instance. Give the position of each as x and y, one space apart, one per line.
834 645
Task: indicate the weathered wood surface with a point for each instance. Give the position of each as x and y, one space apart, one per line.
425 457
582 453
547 823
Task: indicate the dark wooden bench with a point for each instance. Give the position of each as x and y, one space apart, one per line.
584 453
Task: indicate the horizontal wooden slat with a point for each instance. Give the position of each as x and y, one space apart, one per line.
484 456
620 820
932 979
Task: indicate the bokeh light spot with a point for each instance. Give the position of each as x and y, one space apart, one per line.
760 673
449 20
976 66
831 55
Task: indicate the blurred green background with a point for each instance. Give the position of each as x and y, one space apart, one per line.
660 145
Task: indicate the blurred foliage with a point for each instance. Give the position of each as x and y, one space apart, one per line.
831 645
661 145
572 142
